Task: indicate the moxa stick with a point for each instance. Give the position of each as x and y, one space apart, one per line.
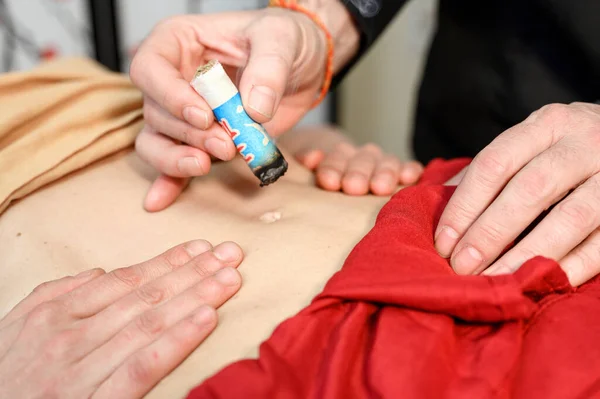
250 138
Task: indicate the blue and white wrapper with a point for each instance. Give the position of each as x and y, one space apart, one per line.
250 138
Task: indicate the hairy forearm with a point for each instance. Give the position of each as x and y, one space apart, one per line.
340 24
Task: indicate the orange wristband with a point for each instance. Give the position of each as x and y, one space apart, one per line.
292 5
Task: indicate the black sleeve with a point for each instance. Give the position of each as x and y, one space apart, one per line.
372 18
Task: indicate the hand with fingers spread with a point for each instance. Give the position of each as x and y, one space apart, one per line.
340 165
117 334
277 57
548 168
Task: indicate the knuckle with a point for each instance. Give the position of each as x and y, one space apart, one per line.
555 112
165 164
176 257
45 314
151 295
203 267
459 213
183 135
190 136
534 187
208 289
172 101
490 234
140 370
42 287
588 259
130 276
492 165
278 61
150 323
578 214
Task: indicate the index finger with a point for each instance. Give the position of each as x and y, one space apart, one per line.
164 83
101 292
490 171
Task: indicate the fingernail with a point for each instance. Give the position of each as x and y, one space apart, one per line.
227 252
262 100
227 276
445 241
216 147
152 198
190 166
196 117
467 260
195 248
204 315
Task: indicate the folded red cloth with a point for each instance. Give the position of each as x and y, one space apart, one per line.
397 322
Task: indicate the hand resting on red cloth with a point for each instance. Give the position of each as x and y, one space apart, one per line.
397 322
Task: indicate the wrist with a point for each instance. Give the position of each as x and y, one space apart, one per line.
340 24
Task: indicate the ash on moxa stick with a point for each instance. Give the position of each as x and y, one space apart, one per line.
250 138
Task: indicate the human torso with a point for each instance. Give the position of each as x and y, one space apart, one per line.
95 219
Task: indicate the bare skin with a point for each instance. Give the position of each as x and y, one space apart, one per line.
95 219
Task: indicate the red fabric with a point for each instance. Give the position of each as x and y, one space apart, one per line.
396 322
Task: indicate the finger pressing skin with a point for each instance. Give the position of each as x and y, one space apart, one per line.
144 369
170 158
385 176
160 290
213 140
99 293
583 262
333 167
535 188
163 192
360 170
46 292
310 158
148 326
163 83
411 172
489 172
564 228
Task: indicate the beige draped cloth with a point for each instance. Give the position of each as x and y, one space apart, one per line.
60 117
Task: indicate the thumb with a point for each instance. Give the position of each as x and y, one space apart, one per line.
274 42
